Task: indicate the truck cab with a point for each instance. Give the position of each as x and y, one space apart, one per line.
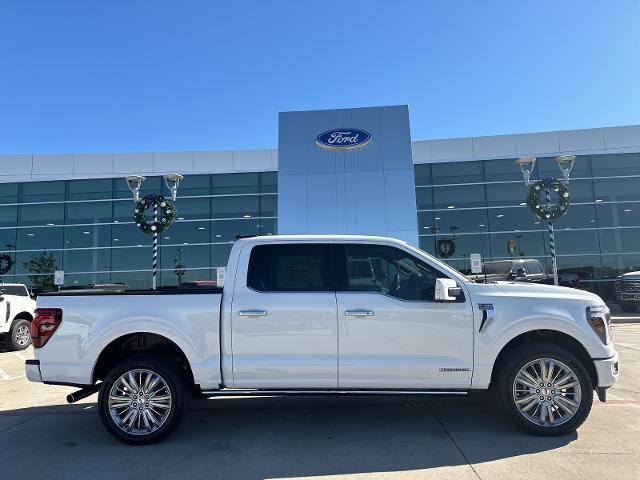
16 313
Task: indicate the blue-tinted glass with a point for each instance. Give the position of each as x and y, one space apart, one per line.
94 189
9 193
424 198
45 214
87 236
459 196
617 189
268 182
620 164
233 183
220 254
506 194
569 242
527 244
502 170
454 221
547 168
8 216
422 173
93 260
620 240
43 238
618 214
42 191
231 230
268 206
510 219
457 172
235 207
88 212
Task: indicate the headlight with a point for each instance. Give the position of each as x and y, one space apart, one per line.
600 320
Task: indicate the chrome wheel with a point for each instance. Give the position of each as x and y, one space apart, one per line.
140 402
547 392
23 336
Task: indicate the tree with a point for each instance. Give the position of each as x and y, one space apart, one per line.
42 263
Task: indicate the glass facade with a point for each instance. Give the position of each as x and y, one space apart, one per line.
85 227
479 207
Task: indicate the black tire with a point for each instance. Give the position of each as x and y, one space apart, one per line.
174 378
628 307
16 337
516 360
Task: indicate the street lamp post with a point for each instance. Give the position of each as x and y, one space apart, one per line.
135 183
565 164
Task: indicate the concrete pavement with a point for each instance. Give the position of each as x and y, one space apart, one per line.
355 438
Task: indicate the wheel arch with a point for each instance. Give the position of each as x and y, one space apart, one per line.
552 336
131 344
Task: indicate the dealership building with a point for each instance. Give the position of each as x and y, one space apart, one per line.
354 171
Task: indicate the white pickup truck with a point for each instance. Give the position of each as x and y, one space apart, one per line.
327 315
16 313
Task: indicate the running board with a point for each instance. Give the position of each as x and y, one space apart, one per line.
237 392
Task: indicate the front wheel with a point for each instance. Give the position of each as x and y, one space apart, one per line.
546 389
143 399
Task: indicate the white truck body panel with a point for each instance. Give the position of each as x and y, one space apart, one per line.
14 305
306 340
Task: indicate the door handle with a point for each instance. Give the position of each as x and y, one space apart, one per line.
359 313
252 313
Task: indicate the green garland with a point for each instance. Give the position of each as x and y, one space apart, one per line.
552 212
166 213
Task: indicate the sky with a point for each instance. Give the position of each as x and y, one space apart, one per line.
160 75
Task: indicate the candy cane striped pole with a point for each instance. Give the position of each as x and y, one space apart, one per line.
552 239
154 269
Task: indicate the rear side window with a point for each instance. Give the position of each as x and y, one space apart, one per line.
19 291
534 268
290 268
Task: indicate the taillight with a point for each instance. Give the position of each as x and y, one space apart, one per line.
45 323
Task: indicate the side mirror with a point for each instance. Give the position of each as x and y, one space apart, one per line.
520 273
446 290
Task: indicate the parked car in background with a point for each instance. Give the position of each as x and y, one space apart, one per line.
517 269
327 315
628 291
523 270
16 313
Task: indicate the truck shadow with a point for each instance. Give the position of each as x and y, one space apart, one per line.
267 437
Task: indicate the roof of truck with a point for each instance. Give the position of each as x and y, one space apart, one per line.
321 238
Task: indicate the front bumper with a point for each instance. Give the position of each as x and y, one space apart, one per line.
607 370
32 370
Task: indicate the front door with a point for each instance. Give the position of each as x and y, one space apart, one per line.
392 334
284 318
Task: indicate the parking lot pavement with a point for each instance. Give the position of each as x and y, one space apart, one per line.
256 438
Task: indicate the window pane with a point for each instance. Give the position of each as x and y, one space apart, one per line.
9 193
390 271
94 260
616 189
268 205
527 244
460 196
422 173
454 221
87 236
39 238
618 164
570 242
503 170
131 259
457 172
94 189
42 191
231 183
231 230
461 246
547 168
618 215
506 194
52 214
185 263
235 207
8 216
288 268
511 219
620 240
88 212
220 254
424 198
268 182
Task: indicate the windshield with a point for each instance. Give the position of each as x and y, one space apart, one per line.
499 268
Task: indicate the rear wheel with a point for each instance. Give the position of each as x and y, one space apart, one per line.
546 389
143 399
20 335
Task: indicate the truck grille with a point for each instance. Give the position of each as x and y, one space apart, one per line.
628 286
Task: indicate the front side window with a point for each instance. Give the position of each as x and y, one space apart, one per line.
390 271
534 268
290 268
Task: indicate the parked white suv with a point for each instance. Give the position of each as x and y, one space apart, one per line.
16 314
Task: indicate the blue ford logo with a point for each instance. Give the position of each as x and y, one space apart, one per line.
343 139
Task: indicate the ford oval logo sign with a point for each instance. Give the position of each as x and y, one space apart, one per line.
343 139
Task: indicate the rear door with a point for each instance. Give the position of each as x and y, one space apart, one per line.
392 333
284 318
